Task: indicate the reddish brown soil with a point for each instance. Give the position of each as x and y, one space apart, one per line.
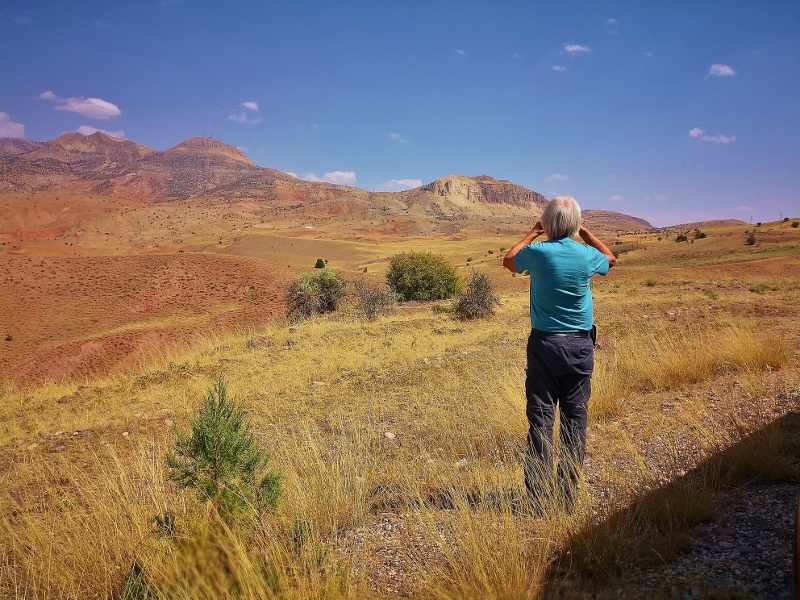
77 316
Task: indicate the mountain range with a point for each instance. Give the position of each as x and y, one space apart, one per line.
207 169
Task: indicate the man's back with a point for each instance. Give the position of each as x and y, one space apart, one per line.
560 270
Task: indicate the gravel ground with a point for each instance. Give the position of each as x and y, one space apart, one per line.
746 552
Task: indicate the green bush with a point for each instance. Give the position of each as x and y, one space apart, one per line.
699 235
760 288
372 300
320 264
478 300
796 224
711 294
651 281
313 293
423 276
219 458
681 238
751 239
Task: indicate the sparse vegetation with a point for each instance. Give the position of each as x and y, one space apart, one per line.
478 300
423 276
320 264
795 224
699 235
651 281
317 292
751 239
681 238
711 294
760 288
373 300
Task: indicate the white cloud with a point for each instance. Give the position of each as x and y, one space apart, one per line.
295 175
576 48
559 68
99 23
720 70
398 185
398 138
241 117
461 53
659 197
93 108
515 55
616 198
251 105
10 129
558 177
338 177
611 22
243 148
89 130
717 138
23 19
648 54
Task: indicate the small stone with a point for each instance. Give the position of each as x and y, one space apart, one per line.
164 411
125 434
168 422
725 545
63 400
32 446
78 432
460 463
749 550
724 531
290 342
29 399
113 424
426 360
389 435
59 433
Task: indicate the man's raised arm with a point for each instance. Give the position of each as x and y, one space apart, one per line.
508 260
588 237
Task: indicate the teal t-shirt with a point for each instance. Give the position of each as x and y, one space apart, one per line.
560 269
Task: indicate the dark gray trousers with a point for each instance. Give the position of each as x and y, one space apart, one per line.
559 374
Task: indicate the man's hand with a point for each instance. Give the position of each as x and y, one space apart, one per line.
592 241
508 260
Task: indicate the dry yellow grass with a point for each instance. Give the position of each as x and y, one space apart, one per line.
83 474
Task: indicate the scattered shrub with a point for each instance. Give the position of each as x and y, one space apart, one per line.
681 238
490 252
219 458
469 259
320 264
699 235
751 239
785 219
423 276
651 281
711 294
316 292
758 224
796 224
373 300
759 288
478 300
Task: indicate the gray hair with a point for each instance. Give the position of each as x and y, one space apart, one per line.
561 217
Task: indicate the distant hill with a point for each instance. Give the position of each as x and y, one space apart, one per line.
210 170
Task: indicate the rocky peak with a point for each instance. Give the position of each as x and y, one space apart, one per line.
485 189
209 147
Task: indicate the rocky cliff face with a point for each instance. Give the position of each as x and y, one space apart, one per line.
485 189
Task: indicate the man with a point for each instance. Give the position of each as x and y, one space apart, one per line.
560 348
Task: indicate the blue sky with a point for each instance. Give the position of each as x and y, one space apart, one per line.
672 111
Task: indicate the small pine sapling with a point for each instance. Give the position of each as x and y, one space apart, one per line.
220 459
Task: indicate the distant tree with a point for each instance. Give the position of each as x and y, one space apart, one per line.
751 239
316 292
423 276
681 238
478 300
698 235
758 224
796 224
320 264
